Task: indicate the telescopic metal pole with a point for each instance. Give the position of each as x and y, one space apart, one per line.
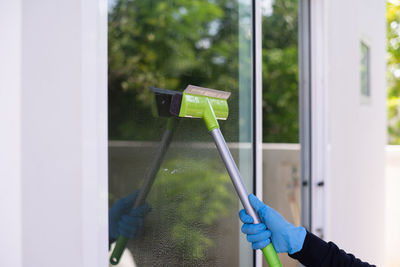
269 251
234 173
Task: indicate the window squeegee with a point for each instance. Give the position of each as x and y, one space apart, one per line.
212 105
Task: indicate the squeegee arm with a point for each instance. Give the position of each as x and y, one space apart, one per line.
146 185
269 251
155 165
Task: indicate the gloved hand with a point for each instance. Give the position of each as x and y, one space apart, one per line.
285 236
124 220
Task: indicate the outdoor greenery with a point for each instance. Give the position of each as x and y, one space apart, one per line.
393 73
280 73
170 44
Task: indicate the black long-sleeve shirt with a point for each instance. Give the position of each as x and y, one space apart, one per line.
317 253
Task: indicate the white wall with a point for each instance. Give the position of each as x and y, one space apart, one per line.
57 185
349 136
10 154
392 207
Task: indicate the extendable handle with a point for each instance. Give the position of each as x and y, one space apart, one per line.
118 250
269 251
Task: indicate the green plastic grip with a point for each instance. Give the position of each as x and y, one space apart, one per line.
271 256
118 250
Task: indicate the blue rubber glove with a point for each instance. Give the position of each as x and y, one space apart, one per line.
285 236
124 220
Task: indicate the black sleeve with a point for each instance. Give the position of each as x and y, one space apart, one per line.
316 252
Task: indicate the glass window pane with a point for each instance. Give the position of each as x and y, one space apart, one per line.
170 44
281 170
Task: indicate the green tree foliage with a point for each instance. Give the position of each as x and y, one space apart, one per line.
167 44
170 44
393 73
280 73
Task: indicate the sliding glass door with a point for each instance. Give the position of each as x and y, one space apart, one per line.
171 44
282 174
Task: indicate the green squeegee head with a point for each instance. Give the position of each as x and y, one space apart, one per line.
198 102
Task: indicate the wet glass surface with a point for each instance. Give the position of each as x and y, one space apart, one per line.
170 44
